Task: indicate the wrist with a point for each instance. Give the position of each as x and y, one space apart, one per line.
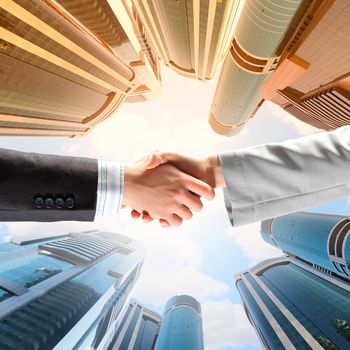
214 166
130 175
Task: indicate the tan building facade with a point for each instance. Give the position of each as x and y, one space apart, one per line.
313 81
190 36
306 72
63 72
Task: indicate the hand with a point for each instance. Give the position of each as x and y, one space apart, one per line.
206 169
163 191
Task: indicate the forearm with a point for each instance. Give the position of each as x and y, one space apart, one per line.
37 187
275 179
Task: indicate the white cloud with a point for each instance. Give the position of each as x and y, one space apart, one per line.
173 261
226 324
172 266
248 238
279 113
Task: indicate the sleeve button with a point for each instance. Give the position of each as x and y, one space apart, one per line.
70 202
59 202
49 203
39 202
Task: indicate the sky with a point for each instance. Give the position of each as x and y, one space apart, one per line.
202 256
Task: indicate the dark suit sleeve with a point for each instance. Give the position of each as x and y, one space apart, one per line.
37 187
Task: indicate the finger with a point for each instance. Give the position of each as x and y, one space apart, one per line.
164 223
174 220
146 217
183 212
154 160
199 187
192 201
135 214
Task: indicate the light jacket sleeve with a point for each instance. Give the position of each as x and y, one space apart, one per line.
275 179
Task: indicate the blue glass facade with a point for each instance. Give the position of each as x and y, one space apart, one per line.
66 293
320 239
138 330
310 311
181 326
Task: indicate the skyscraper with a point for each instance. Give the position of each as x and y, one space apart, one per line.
293 306
118 24
181 326
138 329
61 75
66 292
322 241
190 36
295 54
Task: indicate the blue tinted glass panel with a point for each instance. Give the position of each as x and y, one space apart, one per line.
260 321
4 295
131 328
32 270
324 304
96 277
146 335
115 337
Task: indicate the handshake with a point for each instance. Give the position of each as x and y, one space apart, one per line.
169 186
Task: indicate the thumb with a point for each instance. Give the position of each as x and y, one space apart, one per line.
154 160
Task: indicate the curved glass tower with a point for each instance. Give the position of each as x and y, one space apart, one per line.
182 325
319 239
293 306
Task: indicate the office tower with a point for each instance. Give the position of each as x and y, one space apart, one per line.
65 292
293 306
62 78
296 57
192 37
138 329
312 82
253 56
118 24
321 240
181 326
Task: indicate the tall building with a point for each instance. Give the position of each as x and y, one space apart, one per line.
293 53
118 24
65 292
192 37
294 306
64 72
181 326
138 329
322 241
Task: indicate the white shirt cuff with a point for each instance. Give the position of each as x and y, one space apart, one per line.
110 188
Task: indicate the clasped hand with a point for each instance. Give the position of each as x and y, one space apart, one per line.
169 186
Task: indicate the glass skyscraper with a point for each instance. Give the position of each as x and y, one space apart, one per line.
138 329
181 327
67 292
294 306
321 240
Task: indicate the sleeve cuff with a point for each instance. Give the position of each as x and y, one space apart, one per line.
110 188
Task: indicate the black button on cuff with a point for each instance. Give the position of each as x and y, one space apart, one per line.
49 203
59 202
39 202
70 202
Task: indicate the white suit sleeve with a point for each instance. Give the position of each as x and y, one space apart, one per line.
275 179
